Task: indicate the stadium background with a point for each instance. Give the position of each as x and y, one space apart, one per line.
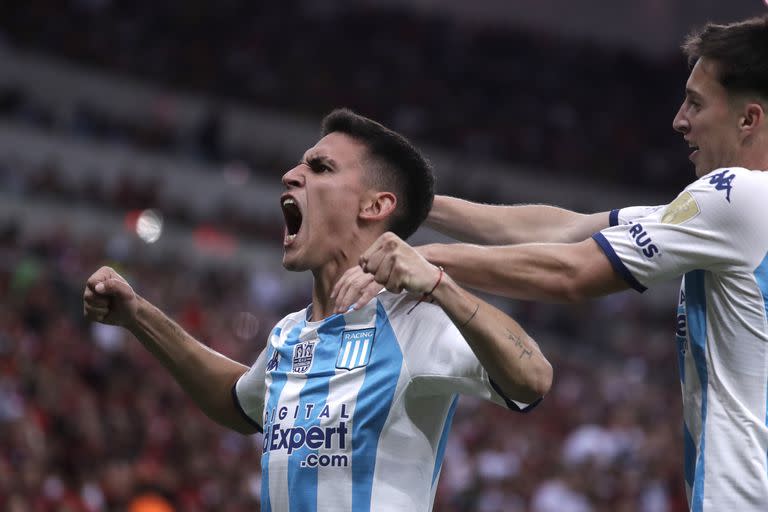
151 136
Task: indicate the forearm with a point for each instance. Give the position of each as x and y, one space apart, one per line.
511 358
204 374
501 225
545 272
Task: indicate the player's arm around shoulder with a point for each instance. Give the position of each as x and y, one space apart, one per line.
206 375
511 224
569 272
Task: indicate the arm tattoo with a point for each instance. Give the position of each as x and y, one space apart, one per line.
524 352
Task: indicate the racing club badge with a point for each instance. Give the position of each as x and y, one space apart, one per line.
303 353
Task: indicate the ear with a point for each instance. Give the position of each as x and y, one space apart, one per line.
377 206
752 119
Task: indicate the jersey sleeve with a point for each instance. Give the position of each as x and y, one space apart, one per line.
440 361
620 217
249 391
709 226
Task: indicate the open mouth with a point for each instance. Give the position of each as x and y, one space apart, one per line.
694 149
293 217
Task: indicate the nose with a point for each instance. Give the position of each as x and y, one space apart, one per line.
680 122
293 178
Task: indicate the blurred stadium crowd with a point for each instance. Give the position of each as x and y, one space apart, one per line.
484 91
89 421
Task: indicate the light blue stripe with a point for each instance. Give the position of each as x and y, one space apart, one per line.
761 276
681 340
444 439
279 376
696 307
373 404
302 481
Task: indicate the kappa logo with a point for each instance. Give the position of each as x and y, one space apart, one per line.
355 349
303 354
273 361
722 181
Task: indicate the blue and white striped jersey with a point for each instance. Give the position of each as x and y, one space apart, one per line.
715 234
356 408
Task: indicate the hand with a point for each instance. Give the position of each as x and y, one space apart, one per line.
397 266
109 299
355 288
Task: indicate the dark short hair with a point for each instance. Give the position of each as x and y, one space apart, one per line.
395 165
740 50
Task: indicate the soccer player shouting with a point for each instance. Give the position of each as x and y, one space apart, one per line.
355 408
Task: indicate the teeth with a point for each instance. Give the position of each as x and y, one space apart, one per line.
288 201
290 237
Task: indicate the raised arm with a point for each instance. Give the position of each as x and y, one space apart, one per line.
204 374
511 358
502 225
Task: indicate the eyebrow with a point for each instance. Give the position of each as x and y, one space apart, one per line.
692 94
320 159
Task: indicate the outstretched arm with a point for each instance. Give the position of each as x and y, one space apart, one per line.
511 358
204 374
502 225
547 272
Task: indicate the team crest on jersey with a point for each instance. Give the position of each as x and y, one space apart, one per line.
273 361
303 354
681 210
355 349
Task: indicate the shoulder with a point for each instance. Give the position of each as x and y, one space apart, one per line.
730 201
731 192
732 183
291 320
408 307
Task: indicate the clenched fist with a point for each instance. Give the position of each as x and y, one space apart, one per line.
389 262
109 299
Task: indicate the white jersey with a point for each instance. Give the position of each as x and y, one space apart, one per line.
356 408
715 234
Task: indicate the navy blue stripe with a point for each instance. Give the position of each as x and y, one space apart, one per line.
616 263
511 404
240 409
613 218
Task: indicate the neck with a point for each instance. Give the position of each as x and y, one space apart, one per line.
325 277
754 156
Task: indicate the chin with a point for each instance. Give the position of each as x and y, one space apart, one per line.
292 264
